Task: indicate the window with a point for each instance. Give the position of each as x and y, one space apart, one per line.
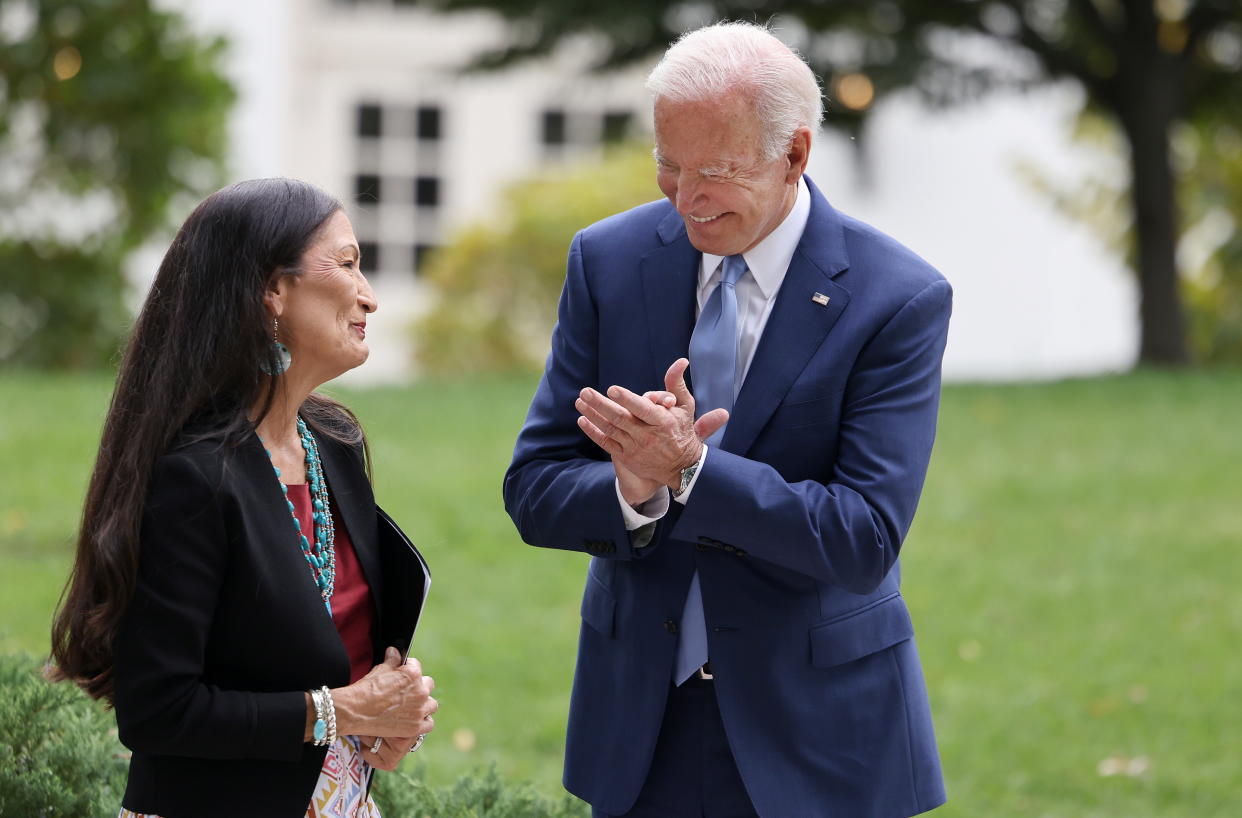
615 126
370 257
427 191
370 120
554 127
428 123
399 184
367 188
421 252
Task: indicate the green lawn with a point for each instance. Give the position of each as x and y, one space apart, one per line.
1073 572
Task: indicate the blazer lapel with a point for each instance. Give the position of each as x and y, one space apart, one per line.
356 504
807 306
254 466
669 279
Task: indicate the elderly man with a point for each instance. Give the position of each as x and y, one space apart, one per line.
745 649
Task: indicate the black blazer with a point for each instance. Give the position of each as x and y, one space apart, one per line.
226 631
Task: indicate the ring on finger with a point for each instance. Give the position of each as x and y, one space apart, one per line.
418 743
379 742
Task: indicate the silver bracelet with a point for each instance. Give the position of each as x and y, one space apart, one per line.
324 731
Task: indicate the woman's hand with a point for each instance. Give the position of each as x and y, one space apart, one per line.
392 702
391 750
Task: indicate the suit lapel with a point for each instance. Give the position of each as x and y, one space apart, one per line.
356 505
669 279
798 325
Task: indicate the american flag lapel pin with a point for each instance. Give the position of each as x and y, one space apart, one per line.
821 299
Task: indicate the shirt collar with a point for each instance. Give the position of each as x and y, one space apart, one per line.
769 259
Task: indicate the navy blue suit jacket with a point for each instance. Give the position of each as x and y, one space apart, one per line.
794 524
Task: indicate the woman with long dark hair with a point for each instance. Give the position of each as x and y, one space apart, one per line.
237 595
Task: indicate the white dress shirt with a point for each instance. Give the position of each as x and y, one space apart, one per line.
766 263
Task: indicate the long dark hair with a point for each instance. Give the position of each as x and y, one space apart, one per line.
191 370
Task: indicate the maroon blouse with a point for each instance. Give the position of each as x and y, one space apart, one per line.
352 607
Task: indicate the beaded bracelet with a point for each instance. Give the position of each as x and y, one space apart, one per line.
324 731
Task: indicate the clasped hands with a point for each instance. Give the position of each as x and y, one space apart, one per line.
393 702
651 437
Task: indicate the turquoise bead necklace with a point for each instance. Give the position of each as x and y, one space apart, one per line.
321 558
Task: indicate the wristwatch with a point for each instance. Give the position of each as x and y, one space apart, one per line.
687 475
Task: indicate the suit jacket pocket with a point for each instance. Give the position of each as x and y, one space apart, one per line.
807 412
598 605
861 633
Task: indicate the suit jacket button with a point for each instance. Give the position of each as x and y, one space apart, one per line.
701 547
670 626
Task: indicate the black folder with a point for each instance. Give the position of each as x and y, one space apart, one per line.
406 580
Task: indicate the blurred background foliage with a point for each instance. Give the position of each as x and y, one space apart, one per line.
1208 158
496 284
115 115
110 112
1213 200
1151 67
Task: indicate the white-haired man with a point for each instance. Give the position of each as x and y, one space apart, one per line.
745 649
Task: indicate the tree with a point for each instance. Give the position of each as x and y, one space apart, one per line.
1208 162
1147 64
110 112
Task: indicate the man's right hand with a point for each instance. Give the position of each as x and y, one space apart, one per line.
634 489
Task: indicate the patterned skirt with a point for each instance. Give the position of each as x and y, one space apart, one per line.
340 792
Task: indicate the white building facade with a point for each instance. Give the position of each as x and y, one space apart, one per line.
367 99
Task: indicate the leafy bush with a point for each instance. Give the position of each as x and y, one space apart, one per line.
481 795
59 755
496 284
112 115
60 758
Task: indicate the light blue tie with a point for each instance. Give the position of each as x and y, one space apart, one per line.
713 369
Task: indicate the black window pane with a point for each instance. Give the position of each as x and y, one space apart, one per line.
367 189
370 258
421 252
616 126
370 120
427 191
553 127
428 122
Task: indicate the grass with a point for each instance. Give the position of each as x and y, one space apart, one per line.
1073 574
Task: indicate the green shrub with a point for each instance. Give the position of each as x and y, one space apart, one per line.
59 755
483 794
495 285
60 758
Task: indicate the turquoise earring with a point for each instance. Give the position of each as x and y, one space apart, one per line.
279 351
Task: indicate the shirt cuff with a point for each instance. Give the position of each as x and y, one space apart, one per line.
684 497
655 507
